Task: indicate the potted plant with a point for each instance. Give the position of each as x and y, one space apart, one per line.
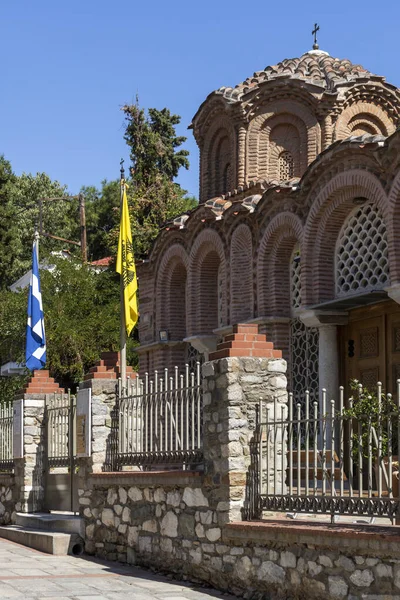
374 416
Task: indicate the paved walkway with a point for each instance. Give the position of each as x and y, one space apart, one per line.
32 575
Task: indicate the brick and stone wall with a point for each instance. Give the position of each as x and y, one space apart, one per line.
190 523
174 522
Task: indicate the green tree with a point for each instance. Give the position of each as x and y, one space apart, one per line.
19 217
82 318
153 144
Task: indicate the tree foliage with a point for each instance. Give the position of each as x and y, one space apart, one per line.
19 217
153 144
81 308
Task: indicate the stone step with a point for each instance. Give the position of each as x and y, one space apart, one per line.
51 542
56 522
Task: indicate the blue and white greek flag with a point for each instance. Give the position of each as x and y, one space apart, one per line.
35 337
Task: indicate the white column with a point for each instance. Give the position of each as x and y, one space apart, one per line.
328 363
328 350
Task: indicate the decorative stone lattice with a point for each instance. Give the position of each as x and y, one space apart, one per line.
193 356
286 166
303 363
362 252
303 345
295 281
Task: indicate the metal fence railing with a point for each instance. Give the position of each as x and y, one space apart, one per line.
60 430
160 420
6 437
328 458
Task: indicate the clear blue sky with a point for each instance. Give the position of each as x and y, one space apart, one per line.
69 65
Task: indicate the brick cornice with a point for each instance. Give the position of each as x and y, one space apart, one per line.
41 383
245 341
109 367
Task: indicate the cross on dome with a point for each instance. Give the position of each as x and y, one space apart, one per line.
314 33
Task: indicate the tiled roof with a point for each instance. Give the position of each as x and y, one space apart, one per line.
316 67
102 262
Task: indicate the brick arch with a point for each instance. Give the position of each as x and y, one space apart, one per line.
171 292
206 309
325 219
271 115
363 114
217 155
241 275
281 236
279 133
394 225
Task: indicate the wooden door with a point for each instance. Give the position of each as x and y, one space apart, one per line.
393 351
366 351
370 344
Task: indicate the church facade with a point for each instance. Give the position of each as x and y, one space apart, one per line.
297 228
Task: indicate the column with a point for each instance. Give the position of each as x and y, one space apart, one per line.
241 155
328 350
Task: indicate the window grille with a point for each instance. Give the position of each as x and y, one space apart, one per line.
303 363
362 252
295 281
303 345
193 356
286 166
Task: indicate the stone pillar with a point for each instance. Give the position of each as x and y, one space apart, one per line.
102 381
30 469
243 369
328 354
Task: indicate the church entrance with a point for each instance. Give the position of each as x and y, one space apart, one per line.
370 345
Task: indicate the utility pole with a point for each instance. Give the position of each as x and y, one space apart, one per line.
82 218
82 221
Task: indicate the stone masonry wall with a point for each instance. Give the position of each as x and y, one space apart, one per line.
164 520
8 501
189 523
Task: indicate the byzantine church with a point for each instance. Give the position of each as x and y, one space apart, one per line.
297 228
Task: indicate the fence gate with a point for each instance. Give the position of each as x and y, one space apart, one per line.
60 454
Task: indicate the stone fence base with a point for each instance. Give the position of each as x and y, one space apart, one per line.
8 499
164 520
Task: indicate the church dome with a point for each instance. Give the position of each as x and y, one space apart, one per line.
315 67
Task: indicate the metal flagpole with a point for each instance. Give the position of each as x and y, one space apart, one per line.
122 311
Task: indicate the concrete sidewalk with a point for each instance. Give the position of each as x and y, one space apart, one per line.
32 575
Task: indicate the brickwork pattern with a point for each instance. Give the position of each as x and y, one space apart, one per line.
232 275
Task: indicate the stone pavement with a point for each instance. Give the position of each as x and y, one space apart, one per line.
32 575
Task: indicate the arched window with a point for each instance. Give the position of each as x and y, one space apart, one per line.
285 165
362 252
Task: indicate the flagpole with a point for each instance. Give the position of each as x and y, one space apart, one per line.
122 311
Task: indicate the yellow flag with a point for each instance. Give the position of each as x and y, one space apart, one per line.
126 267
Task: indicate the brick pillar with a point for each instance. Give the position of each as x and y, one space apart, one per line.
243 369
30 470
